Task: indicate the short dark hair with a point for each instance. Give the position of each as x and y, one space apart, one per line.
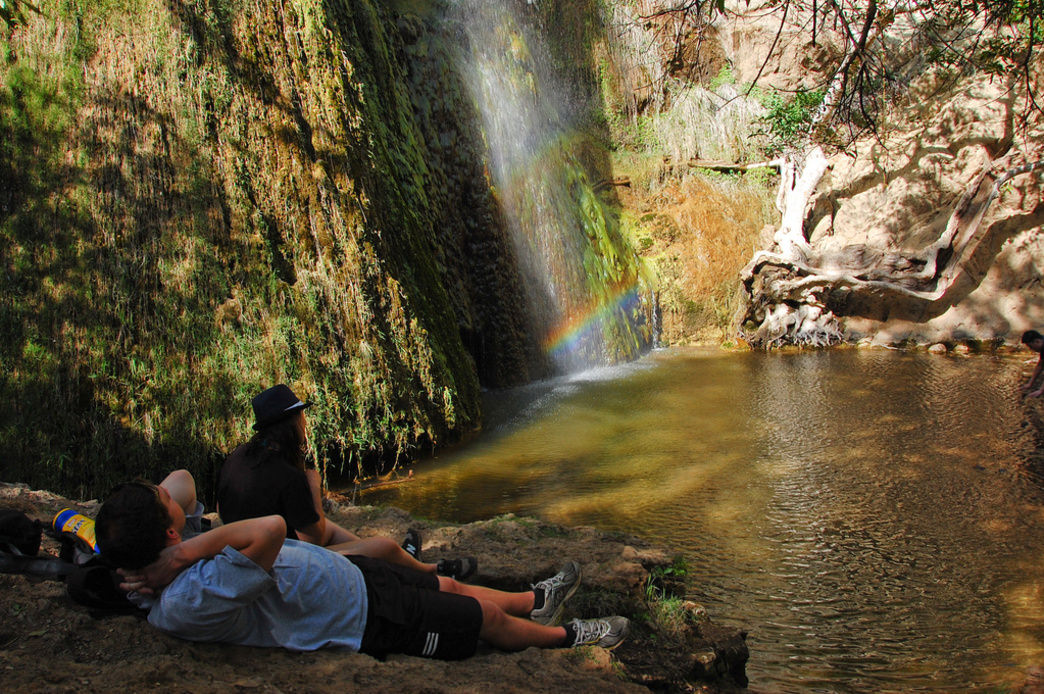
1031 335
131 527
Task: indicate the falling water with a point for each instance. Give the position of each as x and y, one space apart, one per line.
583 282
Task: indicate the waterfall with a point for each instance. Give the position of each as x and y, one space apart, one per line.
583 282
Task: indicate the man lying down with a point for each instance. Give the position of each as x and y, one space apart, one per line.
246 583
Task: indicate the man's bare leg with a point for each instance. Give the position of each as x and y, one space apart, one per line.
510 633
516 604
182 489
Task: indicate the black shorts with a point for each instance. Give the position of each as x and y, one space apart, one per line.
407 614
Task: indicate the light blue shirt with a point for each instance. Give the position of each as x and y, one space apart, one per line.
312 599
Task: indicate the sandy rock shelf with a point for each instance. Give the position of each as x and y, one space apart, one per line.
49 644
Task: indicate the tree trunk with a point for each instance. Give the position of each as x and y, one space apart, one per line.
793 295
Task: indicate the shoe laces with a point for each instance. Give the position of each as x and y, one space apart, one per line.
556 581
591 630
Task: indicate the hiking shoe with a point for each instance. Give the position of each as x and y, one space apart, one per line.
607 633
457 569
412 543
557 590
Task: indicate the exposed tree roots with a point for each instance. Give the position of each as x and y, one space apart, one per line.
793 295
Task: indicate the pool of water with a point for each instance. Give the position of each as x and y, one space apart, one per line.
874 519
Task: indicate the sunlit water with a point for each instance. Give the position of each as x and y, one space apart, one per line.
872 518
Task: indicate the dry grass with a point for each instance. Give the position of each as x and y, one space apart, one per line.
698 230
704 124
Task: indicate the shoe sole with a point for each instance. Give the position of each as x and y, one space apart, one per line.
613 647
623 637
469 569
556 618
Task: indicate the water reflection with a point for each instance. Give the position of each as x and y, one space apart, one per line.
872 518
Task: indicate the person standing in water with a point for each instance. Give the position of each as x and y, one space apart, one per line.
268 476
1035 341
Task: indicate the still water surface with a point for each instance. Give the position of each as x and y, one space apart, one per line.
874 519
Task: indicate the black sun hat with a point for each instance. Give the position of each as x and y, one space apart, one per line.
274 405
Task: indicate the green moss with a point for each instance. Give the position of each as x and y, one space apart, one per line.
189 219
199 199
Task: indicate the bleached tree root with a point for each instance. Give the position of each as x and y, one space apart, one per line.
793 296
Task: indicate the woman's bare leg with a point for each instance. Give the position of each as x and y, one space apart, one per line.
334 534
383 548
182 488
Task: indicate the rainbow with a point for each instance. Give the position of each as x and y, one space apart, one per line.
574 329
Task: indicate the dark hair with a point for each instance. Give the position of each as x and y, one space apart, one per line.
1031 335
131 527
279 441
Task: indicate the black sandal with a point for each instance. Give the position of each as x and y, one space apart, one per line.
412 543
457 569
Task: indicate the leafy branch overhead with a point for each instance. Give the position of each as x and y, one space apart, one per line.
883 47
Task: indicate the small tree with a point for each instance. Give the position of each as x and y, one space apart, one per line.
791 294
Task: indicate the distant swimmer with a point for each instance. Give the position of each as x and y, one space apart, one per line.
1035 341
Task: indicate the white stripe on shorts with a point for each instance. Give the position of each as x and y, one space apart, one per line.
430 645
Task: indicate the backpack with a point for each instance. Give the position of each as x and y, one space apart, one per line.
19 533
96 585
89 580
19 545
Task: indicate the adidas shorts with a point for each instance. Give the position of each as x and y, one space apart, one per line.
407 614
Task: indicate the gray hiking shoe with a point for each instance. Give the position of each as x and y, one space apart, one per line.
557 590
608 632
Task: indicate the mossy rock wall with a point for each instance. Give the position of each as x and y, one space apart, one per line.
510 102
475 250
202 198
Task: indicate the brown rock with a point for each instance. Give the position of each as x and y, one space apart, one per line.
47 643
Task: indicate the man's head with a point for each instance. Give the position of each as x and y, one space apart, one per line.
1033 340
136 522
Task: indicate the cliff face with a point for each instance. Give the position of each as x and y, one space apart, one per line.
203 199
882 214
200 198
904 243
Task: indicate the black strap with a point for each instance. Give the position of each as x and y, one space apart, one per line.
34 566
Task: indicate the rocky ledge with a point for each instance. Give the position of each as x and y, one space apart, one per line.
50 644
